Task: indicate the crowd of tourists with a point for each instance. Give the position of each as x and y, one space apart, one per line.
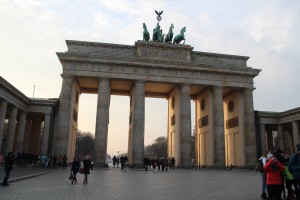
280 175
159 163
30 159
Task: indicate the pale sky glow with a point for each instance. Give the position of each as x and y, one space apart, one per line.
32 31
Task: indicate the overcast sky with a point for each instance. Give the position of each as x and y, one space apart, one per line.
266 31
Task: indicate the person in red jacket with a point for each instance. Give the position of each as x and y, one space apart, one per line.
273 169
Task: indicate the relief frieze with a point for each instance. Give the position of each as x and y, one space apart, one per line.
153 52
161 72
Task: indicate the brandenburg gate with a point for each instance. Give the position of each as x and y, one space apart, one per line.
221 86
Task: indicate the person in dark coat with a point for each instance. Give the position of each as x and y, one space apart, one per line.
294 167
86 166
9 160
75 168
65 158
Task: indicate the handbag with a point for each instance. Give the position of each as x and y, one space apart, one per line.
71 176
81 170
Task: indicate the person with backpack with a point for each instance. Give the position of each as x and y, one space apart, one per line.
294 168
289 179
260 167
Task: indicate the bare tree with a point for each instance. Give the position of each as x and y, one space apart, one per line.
85 143
158 148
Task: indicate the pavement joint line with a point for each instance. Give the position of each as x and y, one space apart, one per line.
28 176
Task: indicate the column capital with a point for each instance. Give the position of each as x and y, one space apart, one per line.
103 78
139 81
217 87
249 89
67 76
184 84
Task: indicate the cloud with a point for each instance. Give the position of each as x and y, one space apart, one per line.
268 28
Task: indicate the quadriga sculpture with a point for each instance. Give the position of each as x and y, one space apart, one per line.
180 37
146 35
169 36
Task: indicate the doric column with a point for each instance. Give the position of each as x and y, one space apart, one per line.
45 136
28 133
219 137
3 106
64 125
102 121
250 128
262 131
280 137
21 132
295 135
11 129
138 121
35 134
185 126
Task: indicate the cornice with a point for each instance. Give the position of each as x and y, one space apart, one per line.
163 45
14 91
97 44
155 63
278 115
218 55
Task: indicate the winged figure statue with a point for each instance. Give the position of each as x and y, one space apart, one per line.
159 13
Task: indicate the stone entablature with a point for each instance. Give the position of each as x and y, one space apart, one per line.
46 106
157 51
221 60
16 98
99 60
156 74
12 95
264 117
101 48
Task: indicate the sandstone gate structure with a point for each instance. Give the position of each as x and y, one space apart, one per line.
221 86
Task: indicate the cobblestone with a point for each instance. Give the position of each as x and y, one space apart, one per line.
136 185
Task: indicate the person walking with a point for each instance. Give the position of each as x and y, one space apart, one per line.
86 167
263 161
65 161
9 160
75 168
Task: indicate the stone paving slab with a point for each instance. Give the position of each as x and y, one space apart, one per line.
21 173
136 185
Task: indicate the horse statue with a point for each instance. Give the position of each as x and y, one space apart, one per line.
169 36
180 37
156 33
161 36
146 35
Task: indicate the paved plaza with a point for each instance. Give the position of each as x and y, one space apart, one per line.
137 184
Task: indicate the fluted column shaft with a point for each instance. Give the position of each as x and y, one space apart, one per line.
280 137
296 135
263 136
102 121
11 129
46 133
185 126
138 123
21 131
250 128
219 137
64 116
3 107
